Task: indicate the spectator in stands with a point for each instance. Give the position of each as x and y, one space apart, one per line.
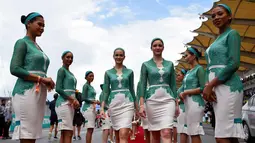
53 117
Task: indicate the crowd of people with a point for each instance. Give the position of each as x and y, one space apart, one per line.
164 111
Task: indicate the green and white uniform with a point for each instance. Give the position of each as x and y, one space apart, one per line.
29 106
119 93
223 58
65 86
194 104
89 109
161 93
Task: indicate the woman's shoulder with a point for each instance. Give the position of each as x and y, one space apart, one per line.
21 43
129 70
109 70
233 32
61 69
146 63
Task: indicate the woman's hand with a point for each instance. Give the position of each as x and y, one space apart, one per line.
48 82
177 111
212 97
208 94
142 111
74 102
183 96
207 90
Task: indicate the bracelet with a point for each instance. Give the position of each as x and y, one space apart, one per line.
37 87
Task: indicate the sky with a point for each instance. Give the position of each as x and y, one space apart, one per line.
92 29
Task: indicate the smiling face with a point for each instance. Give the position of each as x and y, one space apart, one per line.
220 16
90 77
68 59
189 58
119 56
157 48
36 27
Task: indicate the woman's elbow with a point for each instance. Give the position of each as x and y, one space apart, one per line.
18 72
13 71
236 66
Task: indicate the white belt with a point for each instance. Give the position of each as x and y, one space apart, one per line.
216 66
158 85
120 90
69 90
38 72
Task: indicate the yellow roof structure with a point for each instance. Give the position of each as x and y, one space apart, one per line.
243 12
